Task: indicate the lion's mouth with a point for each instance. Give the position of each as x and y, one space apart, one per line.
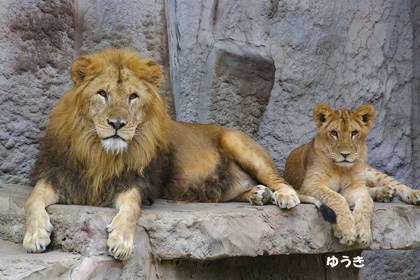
115 136
114 144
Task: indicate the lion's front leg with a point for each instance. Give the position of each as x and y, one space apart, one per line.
38 225
123 226
252 157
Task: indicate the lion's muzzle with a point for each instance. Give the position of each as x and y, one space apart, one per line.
117 124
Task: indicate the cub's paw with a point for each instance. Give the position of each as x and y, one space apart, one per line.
285 198
363 236
346 232
386 194
410 196
120 238
260 195
38 231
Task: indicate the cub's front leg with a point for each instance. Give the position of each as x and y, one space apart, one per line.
123 226
38 225
358 197
381 181
345 228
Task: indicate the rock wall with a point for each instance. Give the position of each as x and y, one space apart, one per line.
301 53
259 66
36 51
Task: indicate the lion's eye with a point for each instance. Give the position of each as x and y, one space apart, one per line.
334 133
102 93
133 96
354 133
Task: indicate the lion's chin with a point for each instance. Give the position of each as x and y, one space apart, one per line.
114 145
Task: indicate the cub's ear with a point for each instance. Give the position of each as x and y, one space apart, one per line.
149 71
322 114
366 113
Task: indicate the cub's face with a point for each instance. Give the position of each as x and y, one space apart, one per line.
343 133
117 106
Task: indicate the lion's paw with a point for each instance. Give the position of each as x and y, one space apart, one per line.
386 194
120 238
260 195
285 198
410 196
38 231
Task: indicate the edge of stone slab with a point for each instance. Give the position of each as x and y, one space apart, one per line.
207 231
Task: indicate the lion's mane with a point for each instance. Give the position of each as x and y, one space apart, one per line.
71 156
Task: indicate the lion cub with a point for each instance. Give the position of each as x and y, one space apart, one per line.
333 168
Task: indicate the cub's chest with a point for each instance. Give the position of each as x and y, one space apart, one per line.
337 181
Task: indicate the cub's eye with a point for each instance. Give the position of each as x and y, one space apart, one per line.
133 96
334 133
102 93
354 133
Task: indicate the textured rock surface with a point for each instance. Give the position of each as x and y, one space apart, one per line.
345 54
415 133
15 264
391 264
36 42
174 239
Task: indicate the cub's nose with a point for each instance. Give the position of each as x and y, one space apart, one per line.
117 124
345 154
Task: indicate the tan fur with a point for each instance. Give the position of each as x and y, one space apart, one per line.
82 161
319 169
123 226
333 168
383 188
38 225
101 74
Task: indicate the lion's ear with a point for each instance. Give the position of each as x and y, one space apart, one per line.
366 113
150 72
322 114
79 69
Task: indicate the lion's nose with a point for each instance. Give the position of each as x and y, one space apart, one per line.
117 124
345 154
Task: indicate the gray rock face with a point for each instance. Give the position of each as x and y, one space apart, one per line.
36 53
345 55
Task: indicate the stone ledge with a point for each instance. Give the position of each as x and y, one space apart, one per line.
170 231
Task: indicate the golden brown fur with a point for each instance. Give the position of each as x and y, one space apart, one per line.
109 142
333 168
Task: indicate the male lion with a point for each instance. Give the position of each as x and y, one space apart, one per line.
109 142
332 167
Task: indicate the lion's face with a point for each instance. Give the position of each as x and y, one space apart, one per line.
117 89
117 105
343 133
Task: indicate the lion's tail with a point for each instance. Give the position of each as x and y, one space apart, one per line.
327 213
